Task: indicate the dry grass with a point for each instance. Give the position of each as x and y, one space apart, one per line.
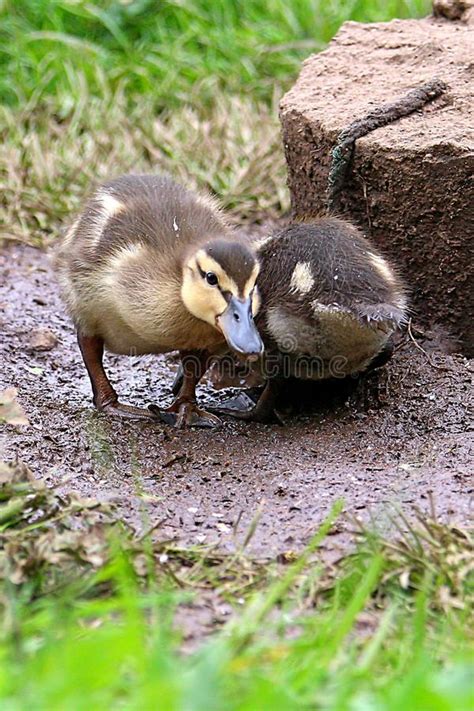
367 633
89 91
48 165
49 538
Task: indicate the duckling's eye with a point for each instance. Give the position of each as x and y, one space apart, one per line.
211 279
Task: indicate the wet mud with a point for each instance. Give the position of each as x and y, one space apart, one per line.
402 436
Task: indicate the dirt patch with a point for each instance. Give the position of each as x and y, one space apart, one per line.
408 442
410 187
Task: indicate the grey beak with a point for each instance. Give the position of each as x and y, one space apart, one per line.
238 327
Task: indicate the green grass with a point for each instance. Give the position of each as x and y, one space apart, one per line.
88 91
168 52
125 654
90 617
357 646
49 165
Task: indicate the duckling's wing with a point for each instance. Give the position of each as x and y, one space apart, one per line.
327 269
377 314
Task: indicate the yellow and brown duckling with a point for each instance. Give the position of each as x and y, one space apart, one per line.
150 267
330 305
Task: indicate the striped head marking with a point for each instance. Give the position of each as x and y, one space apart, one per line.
219 287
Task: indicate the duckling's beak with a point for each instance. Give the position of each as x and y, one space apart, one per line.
238 327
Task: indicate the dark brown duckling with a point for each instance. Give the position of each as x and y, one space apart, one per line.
330 305
150 267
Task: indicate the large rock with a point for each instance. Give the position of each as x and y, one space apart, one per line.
411 186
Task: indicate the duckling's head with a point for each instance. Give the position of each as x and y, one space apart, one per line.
219 288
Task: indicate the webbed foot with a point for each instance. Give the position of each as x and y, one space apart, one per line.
238 408
183 414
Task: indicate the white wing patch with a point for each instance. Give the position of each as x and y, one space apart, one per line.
302 279
382 267
110 207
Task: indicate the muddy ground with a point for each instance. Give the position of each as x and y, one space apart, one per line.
401 436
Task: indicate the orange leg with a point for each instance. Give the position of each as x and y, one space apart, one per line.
184 412
105 398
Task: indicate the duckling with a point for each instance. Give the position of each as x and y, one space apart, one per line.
330 305
150 267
